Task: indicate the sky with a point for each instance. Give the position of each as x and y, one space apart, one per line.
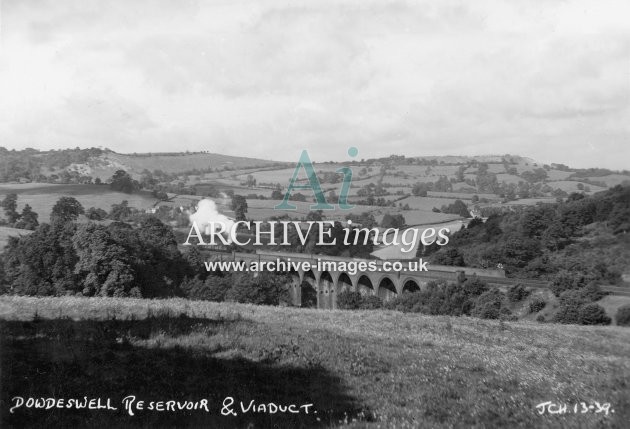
268 78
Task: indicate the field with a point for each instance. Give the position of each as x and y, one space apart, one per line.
509 178
42 197
427 203
611 179
358 369
572 186
395 252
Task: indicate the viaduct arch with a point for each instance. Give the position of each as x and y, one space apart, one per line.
323 286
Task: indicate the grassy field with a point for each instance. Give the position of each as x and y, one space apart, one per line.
359 369
43 197
611 179
572 186
427 203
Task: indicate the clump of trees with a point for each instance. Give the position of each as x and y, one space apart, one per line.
239 206
64 257
517 293
623 315
537 304
578 307
123 182
458 207
28 164
468 296
348 300
570 243
264 289
393 221
27 219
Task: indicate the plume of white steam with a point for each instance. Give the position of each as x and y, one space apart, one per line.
206 213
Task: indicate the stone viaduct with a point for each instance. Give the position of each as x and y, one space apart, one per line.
385 282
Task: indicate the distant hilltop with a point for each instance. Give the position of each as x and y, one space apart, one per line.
75 165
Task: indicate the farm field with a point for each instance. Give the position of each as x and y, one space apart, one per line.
509 178
358 368
264 209
571 186
421 217
460 195
43 198
426 203
425 170
283 176
557 174
611 179
395 252
528 201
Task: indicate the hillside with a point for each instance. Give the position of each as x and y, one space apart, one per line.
106 164
358 368
69 165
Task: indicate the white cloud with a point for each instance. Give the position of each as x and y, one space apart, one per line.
267 79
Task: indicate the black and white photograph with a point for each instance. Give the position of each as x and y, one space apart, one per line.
314 214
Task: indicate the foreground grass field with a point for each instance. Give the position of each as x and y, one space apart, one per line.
358 369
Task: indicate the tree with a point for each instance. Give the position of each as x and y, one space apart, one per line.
535 220
239 206
348 300
94 213
450 256
120 212
265 289
28 219
122 182
298 197
9 204
593 314
103 265
488 304
42 263
537 304
66 209
517 293
393 221
214 288
443 185
420 189
371 302
315 215
623 315
459 176
458 208
569 310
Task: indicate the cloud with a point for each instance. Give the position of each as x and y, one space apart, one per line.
267 79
